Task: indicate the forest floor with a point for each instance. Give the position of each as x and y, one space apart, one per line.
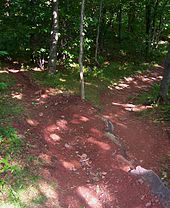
80 167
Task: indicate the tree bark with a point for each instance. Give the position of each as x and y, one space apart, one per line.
131 16
166 78
120 23
148 27
81 51
98 31
54 39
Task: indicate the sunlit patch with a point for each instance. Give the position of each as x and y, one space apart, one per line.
28 195
17 95
3 71
83 118
48 191
90 197
32 122
7 205
62 124
39 101
124 164
55 137
45 158
102 145
95 131
121 86
129 79
78 118
73 165
14 70
62 80
54 91
44 96
132 107
52 128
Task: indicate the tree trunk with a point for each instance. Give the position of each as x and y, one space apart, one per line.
166 78
131 16
148 27
120 23
54 39
81 50
98 31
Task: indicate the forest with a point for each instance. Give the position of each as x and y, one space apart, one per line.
84 103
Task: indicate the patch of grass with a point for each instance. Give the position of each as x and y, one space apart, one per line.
3 86
41 199
149 97
159 112
96 79
70 83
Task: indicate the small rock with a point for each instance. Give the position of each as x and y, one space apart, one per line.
67 145
148 204
142 198
140 181
156 200
104 173
96 179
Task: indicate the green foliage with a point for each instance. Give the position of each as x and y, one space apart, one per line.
3 53
9 107
41 199
159 112
149 97
3 86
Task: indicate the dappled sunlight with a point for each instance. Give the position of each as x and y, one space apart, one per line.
121 86
42 192
89 197
60 125
96 195
72 165
17 95
132 107
7 205
54 91
116 117
4 72
32 122
51 194
55 137
52 128
51 138
102 145
95 131
140 81
124 164
51 131
77 119
45 158
28 195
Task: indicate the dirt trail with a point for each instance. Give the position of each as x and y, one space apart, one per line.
68 135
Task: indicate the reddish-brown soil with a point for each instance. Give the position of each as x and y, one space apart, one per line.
68 135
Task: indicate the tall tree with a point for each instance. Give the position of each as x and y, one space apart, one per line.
98 31
54 39
120 22
166 78
81 50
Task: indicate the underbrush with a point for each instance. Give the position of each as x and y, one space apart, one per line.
20 184
97 79
159 112
12 167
